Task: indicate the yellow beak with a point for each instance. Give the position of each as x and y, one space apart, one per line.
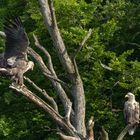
126 96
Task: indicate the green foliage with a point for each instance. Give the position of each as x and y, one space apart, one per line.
114 42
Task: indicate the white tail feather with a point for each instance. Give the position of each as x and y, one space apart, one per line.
131 131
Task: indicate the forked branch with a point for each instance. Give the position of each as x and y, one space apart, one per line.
57 86
45 70
50 99
47 108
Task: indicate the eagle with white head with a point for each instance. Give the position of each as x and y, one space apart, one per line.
131 112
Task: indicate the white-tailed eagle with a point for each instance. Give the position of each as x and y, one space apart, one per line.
131 112
15 54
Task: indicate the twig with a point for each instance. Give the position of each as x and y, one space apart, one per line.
105 66
38 45
134 44
47 128
50 99
90 132
78 50
57 80
83 42
104 134
116 110
135 35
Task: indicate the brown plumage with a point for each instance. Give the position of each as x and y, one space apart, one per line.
14 58
131 112
16 41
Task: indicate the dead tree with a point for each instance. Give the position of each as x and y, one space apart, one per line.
72 124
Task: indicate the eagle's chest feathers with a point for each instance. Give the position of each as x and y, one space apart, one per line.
132 105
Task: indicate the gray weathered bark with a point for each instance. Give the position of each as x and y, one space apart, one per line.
48 13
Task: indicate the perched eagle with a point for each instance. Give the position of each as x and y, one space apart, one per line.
131 112
14 58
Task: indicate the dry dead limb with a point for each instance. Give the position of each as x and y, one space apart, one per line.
46 107
65 137
83 42
124 132
38 45
104 134
90 126
50 99
57 86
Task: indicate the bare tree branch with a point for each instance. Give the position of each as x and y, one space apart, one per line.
77 85
90 132
46 9
116 110
62 95
133 43
78 50
124 132
38 101
104 134
56 37
105 66
57 80
50 65
83 42
50 99
46 71
65 137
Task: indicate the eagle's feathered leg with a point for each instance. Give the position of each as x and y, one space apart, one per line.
18 72
20 78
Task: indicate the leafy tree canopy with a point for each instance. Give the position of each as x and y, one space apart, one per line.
109 63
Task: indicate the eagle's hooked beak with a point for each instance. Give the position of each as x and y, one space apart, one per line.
126 96
32 67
